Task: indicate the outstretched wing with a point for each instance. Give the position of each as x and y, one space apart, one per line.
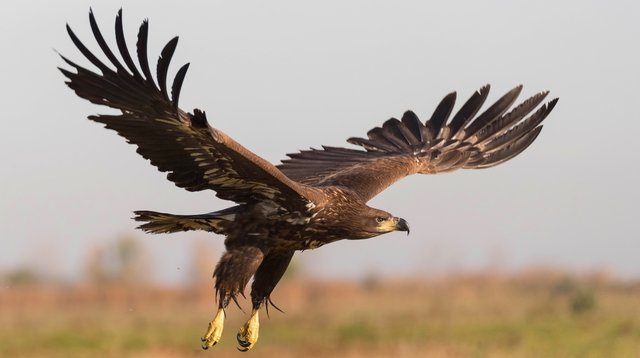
196 155
407 146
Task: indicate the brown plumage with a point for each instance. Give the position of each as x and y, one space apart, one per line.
315 197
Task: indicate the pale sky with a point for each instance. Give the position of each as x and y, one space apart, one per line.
280 76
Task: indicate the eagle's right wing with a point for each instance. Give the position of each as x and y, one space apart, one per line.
408 146
196 155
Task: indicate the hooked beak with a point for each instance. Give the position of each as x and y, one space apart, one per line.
402 225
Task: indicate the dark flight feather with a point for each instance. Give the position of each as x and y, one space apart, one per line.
163 65
124 50
441 114
393 135
177 85
467 111
412 122
141 50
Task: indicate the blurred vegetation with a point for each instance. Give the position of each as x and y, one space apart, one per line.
583 300
22 276
532 314
580 296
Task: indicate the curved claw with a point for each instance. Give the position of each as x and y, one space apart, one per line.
214 331
248 334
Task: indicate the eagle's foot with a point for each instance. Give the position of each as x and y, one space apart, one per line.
214 332
248 334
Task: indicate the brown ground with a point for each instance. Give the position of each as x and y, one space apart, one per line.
536 314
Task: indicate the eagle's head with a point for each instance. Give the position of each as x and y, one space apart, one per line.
373 222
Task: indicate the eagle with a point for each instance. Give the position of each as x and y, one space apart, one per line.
315 197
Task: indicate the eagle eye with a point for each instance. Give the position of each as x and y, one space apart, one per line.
380 219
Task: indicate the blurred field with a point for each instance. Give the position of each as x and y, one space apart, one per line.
534 314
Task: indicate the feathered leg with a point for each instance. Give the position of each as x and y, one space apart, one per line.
266 278
233 271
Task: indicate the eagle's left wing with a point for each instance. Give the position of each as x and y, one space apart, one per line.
408 146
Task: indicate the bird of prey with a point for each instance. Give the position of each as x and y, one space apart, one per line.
314 197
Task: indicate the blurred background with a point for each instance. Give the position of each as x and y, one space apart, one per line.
538 256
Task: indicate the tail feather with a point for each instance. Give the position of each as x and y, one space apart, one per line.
160 223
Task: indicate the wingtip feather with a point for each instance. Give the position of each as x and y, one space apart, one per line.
164 61
176 88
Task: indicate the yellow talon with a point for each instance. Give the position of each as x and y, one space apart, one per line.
248 334
214 332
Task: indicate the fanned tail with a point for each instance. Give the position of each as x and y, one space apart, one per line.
161 223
